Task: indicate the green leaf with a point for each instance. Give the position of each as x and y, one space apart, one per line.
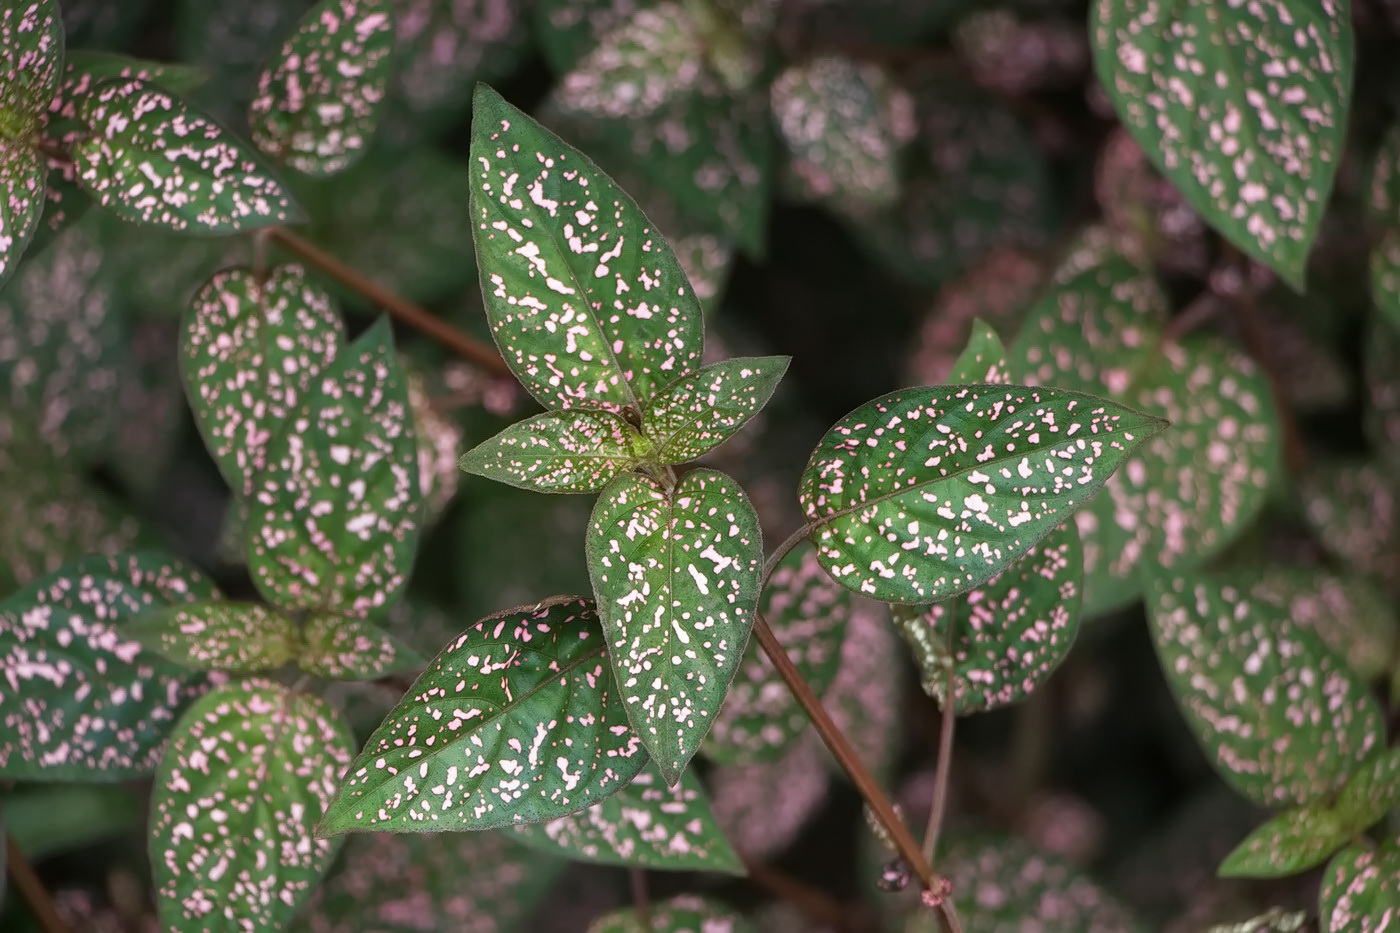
567 30
1361 890
1382 185
517 721
333 519
152 159
1291 842
700 411
83 71
1380 370
645 824
50 819
23 178
1371 792
587 303
318 102
250 353
676 574
249 771
218 636
808 612
983 361
686 913
927 492
565 451
345 648
31 64
1273 920
1009 635
1280 715
83 702
232 41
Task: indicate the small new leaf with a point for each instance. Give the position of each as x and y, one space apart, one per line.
346 648
219 636
684 914
565 451
1291 842
700 411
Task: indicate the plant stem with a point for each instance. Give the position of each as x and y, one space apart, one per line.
641 898
419 319
777 556
816 905
32 889
945 747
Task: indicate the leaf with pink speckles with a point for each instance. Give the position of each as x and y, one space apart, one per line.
1280 715
1349 614
1243 107
518 720
586 300
686 913
808 612
983 361
249 770
927 492
31 61
23 178
333 518
1361 890
1354 509
567 30
676 572
1385 276
82 700
343 648
565 451
250 354
645 824
152 159
219 636
83 71
762 807
700 411
318 102
1371 791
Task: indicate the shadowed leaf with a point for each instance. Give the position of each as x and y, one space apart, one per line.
686 913
236 637
344 648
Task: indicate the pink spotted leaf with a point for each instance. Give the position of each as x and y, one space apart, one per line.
346 648
565 451
701 410
219 636
1361 890
983 361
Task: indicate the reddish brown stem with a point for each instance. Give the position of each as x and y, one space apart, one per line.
32 889
641 897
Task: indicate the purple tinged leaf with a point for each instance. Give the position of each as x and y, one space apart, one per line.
249 771
1354 510
686 913
219 636
345 648
1349 614
701 410
439 440
1361 890
566 451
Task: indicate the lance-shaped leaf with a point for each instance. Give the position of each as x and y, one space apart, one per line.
83 71
676 575
152 159
808 612
1291 842
1361 890
517 721
927 492
318 102
1242 107
81 700
1008 635
333 520
346 648
23 176
686 913
1281 716
645 824
983 361
586 301
249 771
700 411
218 636
559 451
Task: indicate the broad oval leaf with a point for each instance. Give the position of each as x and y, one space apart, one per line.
559 451
1361 890
657 54
645 824
701 410
250 352
1281 716
1008 635
82 701
346 648
318 103
1242 106
927 492
586 301
219 636
333 519
152 159
517 721
676 574
249 770
1291 842
686 913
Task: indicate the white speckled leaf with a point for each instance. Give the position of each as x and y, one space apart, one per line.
152 159
1291 842
1243 106
249 354
81 701
700 411
927 492
586 301
23 178
317 103
1354 510
1349 614
1280 715
808 612
676 576
333 519
1361 890
983 361
1010 633
250 768
219 636
686 913
517 721
645 824
565 451
345 648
